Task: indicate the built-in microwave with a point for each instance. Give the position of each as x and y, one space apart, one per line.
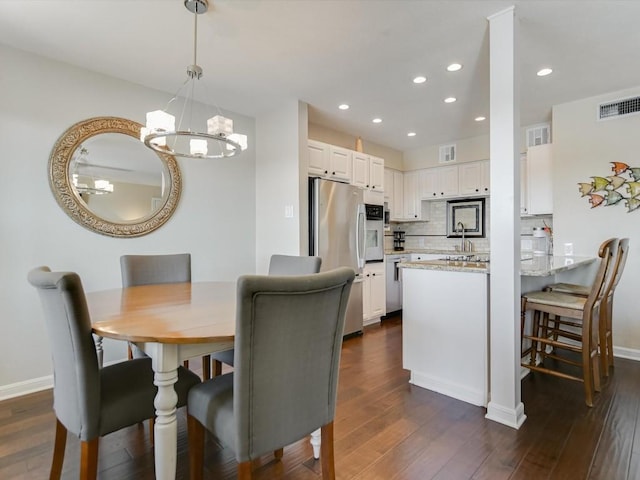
374 244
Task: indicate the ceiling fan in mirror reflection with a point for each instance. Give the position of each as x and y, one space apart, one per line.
84 183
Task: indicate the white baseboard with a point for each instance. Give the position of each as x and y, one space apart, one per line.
23 388
512 417
628 353
474 396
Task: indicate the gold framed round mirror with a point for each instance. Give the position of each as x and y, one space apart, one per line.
106 180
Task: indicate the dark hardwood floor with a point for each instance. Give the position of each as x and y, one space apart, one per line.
385 429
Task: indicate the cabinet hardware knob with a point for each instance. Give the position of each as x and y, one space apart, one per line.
333 173
441 193
367 186
326 171
476 189
486 189
434 194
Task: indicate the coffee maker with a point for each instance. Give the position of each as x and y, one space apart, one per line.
398 241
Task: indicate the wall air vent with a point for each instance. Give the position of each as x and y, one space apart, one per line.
447 153
538 135
618 108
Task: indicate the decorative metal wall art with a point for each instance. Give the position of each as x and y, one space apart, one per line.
609 190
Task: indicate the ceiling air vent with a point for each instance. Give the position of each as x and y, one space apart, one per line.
618 108
447 153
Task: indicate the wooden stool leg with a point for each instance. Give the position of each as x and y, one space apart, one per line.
535 320
89 459
609 337
326 452
195 433
58 451
278 453
244 470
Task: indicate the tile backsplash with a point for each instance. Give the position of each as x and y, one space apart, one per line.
432 234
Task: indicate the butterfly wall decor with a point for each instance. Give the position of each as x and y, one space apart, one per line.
624 184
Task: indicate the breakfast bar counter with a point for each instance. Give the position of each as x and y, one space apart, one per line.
446 318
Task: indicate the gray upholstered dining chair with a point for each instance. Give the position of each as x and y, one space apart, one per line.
154 269
278 265
292 325
90 401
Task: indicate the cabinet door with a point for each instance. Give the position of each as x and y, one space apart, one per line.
318 158
524 198
470 178
411 200
539 181
448 181
398 196
388 187
360 170
366 295
377 174
340 164
378 304
485 177
429 183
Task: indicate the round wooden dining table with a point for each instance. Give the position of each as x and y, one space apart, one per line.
171 323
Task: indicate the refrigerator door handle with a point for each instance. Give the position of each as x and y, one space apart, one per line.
360 237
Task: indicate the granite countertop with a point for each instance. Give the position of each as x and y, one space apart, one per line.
545 265
448 265
427 251
535 266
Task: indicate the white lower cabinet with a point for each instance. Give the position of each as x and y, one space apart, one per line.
373 292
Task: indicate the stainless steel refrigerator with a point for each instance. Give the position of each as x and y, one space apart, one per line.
337 234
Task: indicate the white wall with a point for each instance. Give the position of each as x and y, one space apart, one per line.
281 182
583 147
215 218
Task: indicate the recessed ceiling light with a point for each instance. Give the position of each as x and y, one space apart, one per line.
450 99
420 79
454 67
344 106
544 72
377 120
480 119
411 134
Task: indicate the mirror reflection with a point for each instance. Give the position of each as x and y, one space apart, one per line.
106 180
116 179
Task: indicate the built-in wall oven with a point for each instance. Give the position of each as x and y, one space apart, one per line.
374 244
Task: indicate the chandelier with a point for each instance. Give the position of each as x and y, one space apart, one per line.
160 132
99 187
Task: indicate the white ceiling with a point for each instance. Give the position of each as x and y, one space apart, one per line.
325 52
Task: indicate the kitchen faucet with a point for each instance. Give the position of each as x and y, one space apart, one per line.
461 229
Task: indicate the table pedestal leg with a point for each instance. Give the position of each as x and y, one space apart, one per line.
315 443
165 364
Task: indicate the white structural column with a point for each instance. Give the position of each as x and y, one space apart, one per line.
505 404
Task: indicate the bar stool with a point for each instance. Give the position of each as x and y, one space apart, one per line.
606 325
570 311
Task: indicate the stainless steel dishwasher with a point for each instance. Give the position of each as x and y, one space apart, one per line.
394 282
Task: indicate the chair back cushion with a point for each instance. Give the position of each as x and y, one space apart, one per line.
293 265
288 340
153 269
76 386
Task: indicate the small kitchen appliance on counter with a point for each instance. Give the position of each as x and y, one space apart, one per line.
398 241
541 242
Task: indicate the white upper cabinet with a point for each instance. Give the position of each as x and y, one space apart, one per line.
388 186
376 173
397 205
411 195
524 198
474 178
340 163
368 171
329 161
539 180
439 182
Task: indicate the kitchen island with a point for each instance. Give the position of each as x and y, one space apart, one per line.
446 320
